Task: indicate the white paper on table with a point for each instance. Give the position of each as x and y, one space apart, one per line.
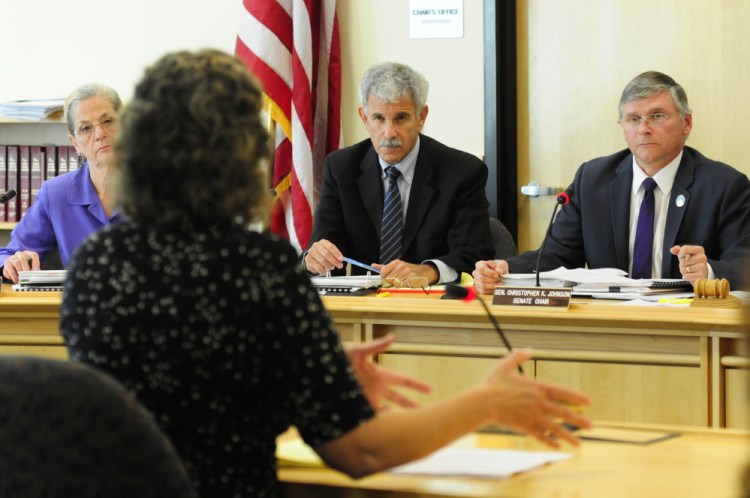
478 462
577 275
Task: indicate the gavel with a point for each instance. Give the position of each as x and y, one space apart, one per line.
711 288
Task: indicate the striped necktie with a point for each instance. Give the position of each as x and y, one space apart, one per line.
643 248
390 231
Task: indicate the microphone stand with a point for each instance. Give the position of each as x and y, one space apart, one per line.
562 199
544 241
455 291
5 197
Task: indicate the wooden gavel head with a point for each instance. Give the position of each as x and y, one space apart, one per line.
711 288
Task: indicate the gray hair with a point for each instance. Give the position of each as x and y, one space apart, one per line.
391 81
85 92
653 82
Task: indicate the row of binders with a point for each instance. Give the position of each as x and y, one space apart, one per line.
23 168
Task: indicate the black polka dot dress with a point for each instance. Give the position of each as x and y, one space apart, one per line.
219 333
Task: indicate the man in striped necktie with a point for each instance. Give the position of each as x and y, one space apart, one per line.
400 201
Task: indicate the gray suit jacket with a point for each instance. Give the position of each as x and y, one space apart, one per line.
447 218
593 228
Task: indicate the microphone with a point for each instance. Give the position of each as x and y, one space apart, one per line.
7 196
562 199
466 294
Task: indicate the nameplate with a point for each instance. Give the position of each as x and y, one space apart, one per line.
547 297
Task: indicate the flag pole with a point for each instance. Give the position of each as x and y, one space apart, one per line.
272 195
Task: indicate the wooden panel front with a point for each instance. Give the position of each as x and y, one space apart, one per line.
659 394
56 352
736 388
447 375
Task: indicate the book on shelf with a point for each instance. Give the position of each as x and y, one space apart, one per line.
24 184
12 164
62 159
73 162
35 176
3 181
50 170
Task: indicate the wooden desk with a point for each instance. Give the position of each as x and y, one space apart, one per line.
699 463
30 324
640 364
662 365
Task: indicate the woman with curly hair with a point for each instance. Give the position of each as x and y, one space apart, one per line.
218 330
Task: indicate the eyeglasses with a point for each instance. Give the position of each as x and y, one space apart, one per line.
409 283
86 130
655 120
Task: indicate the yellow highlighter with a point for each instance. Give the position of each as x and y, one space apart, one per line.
676 300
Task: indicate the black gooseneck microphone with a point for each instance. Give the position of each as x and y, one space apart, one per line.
562 199
455 291
7 196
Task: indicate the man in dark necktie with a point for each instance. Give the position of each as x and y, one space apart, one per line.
400 201
658 209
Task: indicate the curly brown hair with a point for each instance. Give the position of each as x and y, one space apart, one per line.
192 143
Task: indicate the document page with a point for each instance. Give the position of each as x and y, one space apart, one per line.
480 462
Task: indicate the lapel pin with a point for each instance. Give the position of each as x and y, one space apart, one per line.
679 201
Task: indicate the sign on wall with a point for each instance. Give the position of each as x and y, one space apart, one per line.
436 18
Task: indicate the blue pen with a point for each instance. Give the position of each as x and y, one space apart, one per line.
361 265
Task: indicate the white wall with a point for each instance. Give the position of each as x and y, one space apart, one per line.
49 47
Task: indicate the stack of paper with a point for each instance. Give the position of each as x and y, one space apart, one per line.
610 283
32 109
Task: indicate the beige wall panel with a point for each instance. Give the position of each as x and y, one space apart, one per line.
636 393
374 31
737 403
575 57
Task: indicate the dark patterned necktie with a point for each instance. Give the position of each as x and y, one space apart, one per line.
390 232
643 249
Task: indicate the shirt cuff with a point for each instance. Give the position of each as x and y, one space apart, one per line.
711 274
447 274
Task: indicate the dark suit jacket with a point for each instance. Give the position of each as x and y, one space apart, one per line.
593 228
447 218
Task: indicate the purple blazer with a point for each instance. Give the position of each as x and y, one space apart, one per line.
65 212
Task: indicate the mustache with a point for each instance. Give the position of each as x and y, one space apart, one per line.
393 142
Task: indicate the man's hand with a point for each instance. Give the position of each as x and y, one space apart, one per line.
322 257
20 261
402 272
377 382
693 262
487 274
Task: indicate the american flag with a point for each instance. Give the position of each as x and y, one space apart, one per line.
293 48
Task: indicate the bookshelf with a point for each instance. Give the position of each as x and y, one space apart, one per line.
24 133
43 132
